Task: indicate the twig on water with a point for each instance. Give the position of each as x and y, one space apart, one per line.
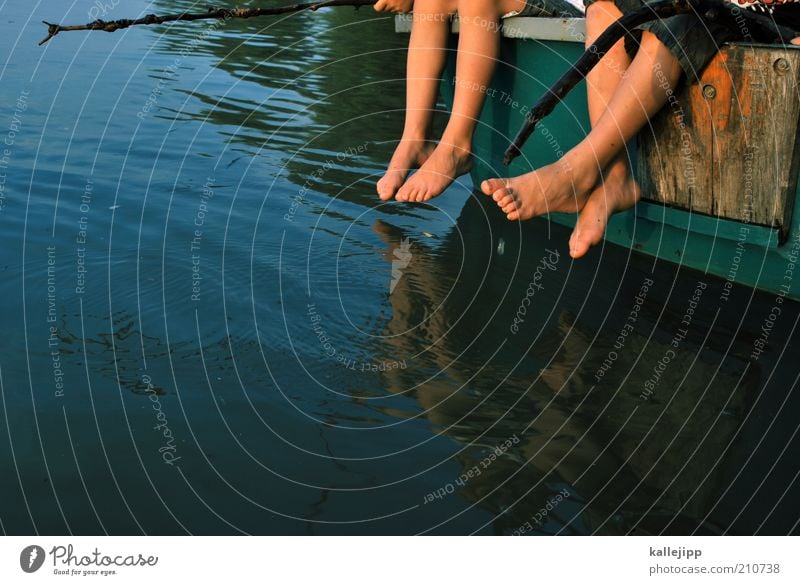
211 13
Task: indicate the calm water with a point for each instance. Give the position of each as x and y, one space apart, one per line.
211 325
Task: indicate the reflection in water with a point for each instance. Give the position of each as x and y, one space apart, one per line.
327 363
636 446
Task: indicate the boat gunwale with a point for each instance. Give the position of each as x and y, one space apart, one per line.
545 28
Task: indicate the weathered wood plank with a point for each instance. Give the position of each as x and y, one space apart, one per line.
729 146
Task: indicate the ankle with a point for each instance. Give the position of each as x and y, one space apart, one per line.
410 137
415 130
458 136
582 170
459 145
618 170
413 145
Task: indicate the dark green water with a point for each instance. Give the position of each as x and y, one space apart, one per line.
211 325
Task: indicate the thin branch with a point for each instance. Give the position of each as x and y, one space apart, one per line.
725 13
211 13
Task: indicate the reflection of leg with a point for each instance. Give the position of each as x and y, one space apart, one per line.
398 248
412 284
426 60
477 53
418 328
565 185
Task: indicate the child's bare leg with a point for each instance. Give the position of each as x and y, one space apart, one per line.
565 185
426 60
617 190
478 46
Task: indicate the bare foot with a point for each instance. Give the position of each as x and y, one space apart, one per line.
556 187
616 191
409 154
442 167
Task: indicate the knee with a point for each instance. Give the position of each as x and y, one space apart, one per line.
507 6
653 48
599 16
436 6
484 8
441 6
650 43
656 51
604 10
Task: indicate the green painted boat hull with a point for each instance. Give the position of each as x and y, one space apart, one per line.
739 253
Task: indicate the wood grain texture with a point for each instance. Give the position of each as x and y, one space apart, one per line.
729 145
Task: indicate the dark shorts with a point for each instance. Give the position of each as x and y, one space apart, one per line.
693 41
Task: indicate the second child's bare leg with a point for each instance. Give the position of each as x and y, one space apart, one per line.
426 60
478 47
616 189
566 185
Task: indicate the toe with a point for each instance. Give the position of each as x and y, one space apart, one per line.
410 190
430 191
501 194
505 202
409 194
578 246
490 186
572 238
386 189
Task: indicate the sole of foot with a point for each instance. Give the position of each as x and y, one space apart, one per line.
613 194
